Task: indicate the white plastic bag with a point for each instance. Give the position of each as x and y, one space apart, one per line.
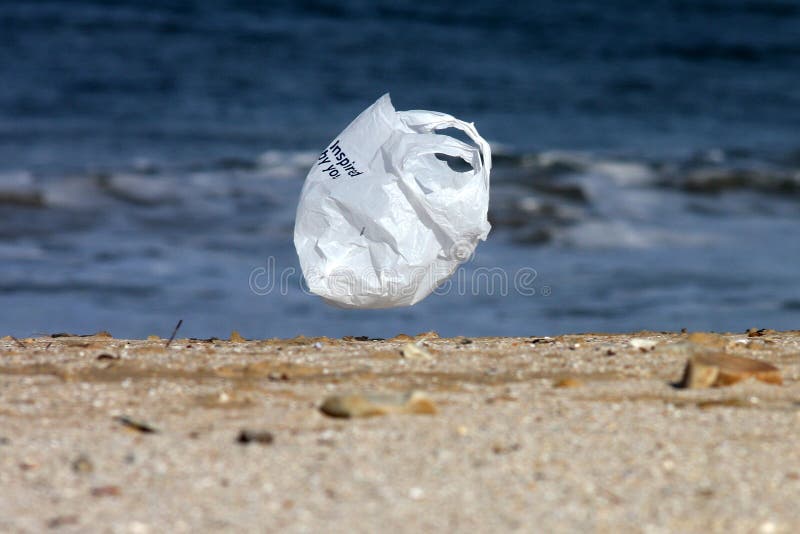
382 221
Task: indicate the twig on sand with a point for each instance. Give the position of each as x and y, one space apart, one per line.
18 342
177 326
133 424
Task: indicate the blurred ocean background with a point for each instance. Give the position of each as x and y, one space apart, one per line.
647 159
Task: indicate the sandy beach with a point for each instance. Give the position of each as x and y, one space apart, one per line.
574 433
601 195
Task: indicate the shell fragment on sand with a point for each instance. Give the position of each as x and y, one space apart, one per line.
568 382
708 340
643 344
236 337
719 369
373 404
413 351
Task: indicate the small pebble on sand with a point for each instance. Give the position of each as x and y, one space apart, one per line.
62 521
106 491
263 437
82 464
373 404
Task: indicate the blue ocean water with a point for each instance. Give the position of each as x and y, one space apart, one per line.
647 160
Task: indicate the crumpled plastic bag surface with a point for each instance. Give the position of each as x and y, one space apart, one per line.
388 212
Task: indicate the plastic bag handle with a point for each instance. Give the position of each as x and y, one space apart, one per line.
430 121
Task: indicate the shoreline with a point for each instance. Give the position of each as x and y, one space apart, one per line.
573 432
